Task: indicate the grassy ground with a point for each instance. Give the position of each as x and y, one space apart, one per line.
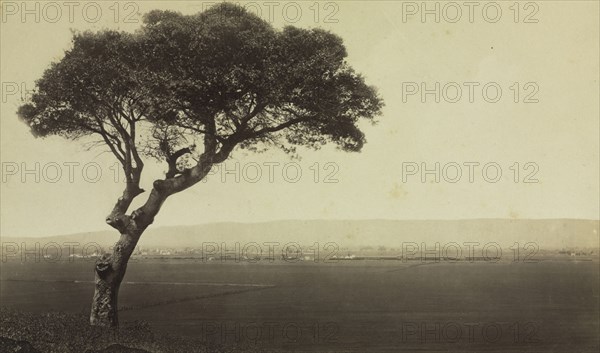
387 306
66 333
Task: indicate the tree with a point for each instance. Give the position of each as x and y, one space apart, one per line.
188 90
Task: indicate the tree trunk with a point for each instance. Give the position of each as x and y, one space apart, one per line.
109 272
105 303
110 268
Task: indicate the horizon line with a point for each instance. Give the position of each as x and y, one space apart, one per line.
318 220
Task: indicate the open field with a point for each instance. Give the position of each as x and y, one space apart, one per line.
363 306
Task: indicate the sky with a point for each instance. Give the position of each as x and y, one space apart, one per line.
514 132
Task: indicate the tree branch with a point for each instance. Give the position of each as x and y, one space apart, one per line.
117 218
172 162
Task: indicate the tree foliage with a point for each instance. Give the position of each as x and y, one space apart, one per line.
220 79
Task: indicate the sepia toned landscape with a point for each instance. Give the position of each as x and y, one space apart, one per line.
299 176
260 295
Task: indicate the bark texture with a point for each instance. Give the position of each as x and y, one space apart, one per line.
110 268
109 273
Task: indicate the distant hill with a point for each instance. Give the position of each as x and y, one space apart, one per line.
548 234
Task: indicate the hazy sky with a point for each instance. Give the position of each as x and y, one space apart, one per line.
555 141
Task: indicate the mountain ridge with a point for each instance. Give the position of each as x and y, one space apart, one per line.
547 233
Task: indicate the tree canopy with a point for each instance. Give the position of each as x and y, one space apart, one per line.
218 79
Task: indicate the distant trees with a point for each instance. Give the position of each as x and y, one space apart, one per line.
188 90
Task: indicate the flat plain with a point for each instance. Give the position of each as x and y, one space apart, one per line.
350 306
